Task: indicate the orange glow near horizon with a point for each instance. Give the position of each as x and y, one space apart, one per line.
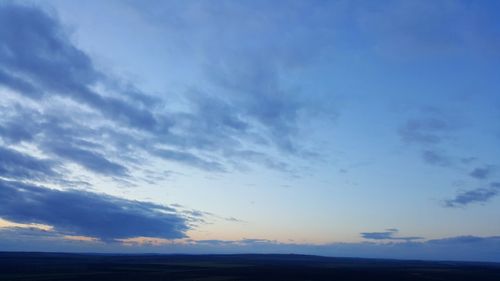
10 224
81 238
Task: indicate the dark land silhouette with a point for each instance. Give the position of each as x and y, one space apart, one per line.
60 266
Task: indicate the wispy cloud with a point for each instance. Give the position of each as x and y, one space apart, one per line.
101 124
425 131
430 133
434 157
389 234
18 165
478 195
189 159
482 172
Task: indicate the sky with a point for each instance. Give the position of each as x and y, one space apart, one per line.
336 128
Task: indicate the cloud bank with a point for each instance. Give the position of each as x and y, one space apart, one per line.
459 248
80 213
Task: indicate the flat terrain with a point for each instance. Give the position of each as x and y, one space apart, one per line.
95 267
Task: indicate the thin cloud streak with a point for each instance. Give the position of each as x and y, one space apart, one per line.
389 234
479 195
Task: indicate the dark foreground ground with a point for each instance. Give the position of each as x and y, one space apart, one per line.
45 266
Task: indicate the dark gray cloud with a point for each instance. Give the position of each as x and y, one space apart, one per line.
19 84
75 212
14 133
37 59
478 195
388 235
17 165
89 159
482 172
61 138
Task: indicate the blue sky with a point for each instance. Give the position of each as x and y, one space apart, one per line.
342 128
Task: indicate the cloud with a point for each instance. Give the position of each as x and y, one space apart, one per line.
61 138
428 132
74 212
468 239
248 77
436 158
89 159
17 165
37 59
387 235
424 131
11 132
478 195
71 111
482 172
189 159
